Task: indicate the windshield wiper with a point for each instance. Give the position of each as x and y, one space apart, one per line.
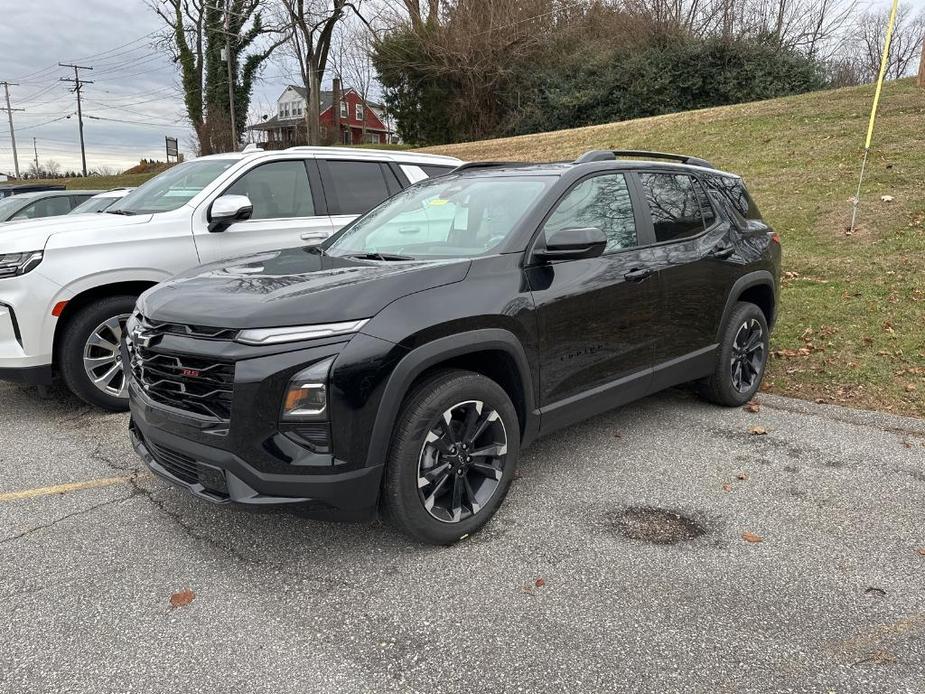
127 213
378 256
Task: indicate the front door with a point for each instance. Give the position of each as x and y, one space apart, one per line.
285 213
597 316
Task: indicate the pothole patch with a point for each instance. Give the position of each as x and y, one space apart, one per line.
657 526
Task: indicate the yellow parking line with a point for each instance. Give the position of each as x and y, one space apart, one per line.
62 488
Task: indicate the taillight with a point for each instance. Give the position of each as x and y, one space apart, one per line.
775 237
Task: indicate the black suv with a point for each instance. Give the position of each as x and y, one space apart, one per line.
404 363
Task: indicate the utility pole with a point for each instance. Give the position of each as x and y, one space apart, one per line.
35 150
9 112
234 127
78 85
922 67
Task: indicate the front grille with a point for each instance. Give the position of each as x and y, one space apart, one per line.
197 385
198 331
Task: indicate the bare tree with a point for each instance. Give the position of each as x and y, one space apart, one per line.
908 34
351 59
51 168
309 32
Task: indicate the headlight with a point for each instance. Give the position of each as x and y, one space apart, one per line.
306 396
12 264
272 336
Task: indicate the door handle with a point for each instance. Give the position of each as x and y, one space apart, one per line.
638 274
722 251
314 236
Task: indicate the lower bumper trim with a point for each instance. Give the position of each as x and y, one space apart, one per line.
29 375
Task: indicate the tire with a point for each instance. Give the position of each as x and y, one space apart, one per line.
74 347
416 450
721 386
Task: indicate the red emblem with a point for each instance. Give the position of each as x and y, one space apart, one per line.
189 373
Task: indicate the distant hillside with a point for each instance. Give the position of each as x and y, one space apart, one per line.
852 329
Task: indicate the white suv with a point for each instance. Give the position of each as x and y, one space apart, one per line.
68 285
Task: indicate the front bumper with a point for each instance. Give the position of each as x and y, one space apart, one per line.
220 476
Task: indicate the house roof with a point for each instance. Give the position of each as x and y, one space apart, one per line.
327 97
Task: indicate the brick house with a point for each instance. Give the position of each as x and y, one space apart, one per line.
354 121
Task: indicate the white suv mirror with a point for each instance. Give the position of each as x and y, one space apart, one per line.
228 209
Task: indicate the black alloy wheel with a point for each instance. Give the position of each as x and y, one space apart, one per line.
453 455
748 355
462 461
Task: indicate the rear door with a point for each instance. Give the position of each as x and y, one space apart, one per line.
597 316
353 187
289 211
695 254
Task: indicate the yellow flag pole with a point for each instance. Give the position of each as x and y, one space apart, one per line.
884 63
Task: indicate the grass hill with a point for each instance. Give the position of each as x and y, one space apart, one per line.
852 322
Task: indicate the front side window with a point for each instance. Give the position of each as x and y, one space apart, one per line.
49 207
278 190
602 202
174 188
674 205
358 185
446 217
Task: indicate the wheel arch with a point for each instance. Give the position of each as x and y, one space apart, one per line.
87 297
756 287
493 352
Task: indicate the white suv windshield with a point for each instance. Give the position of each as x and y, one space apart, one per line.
447 217
173 188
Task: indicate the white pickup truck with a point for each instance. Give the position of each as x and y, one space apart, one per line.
67 285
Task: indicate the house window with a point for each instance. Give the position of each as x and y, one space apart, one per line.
359 112
343 109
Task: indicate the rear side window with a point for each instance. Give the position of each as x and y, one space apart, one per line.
734 191
358 186
278 190
674 205
602 202
434 171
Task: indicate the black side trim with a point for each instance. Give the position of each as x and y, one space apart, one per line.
752 279
688 367
441 349
29 376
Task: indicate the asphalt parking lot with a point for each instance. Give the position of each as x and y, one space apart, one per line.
617 564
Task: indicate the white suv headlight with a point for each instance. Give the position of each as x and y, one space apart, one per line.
12 264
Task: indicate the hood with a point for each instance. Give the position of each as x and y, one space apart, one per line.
33 235
297 286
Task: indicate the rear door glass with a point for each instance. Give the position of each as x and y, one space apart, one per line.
674 205
357 186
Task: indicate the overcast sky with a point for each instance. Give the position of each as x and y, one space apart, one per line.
133 102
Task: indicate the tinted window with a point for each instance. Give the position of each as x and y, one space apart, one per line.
733 189
674 205
358 185
278 190
433 171
602 202
706 207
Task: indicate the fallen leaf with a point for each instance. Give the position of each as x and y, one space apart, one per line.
886 198
752 537
757 431
526 588
182 598
727 487
753 407
872 590
910 387
539 583
922 551
742 476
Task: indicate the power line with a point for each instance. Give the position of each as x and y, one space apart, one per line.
78 86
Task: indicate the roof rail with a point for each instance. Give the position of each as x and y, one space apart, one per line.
612 154
486 165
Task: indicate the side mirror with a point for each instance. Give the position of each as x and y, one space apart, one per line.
229 209
574 244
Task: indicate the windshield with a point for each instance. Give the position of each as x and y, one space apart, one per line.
94 205
173 188
448 217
